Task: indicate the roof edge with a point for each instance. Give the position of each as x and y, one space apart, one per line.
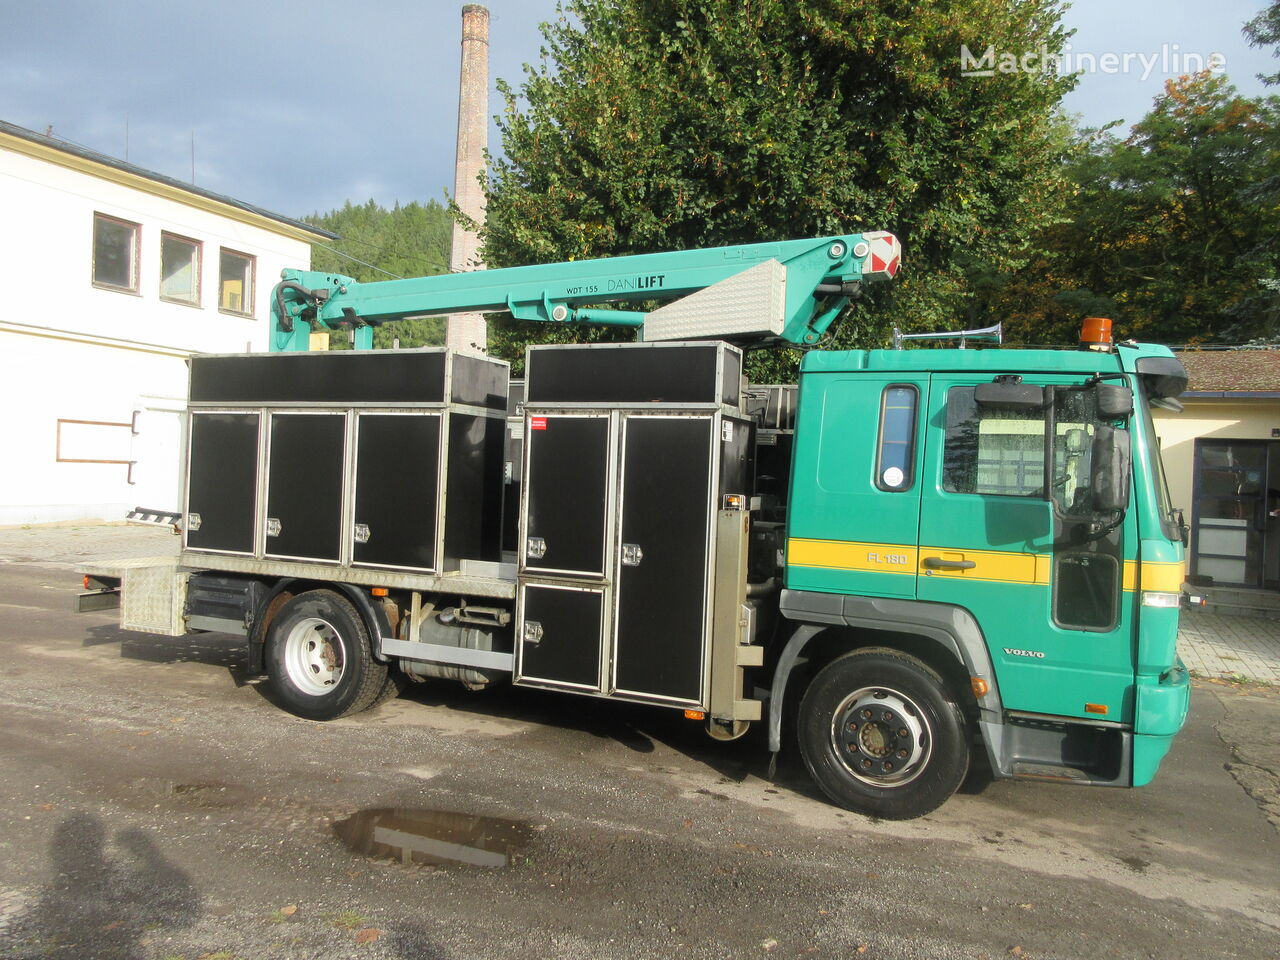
128 174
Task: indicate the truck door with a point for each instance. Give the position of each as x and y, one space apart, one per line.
855 496
1049 600
156 452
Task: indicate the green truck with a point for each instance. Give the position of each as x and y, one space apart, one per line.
911 558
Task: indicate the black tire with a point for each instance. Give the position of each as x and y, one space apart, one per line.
396 684
319 660
881 735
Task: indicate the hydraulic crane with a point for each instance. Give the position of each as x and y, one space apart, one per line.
789 292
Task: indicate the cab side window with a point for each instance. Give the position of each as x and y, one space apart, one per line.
895 454
997 452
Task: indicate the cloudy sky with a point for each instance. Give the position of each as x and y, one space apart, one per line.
298 106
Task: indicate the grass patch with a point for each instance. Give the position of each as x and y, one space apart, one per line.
348 920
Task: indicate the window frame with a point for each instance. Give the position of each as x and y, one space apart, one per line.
246 297
135 256
1114 581
909 481
198 246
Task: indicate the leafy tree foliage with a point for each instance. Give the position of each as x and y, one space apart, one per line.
1171 231
1264 31
378 244
673 124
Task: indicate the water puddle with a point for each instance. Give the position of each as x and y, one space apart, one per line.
434 836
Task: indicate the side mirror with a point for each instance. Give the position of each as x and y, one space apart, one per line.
1114 401
1110 469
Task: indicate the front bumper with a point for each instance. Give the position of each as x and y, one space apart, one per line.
1160 712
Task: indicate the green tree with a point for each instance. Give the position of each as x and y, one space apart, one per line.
672 124
412 240
1264 31
1172 230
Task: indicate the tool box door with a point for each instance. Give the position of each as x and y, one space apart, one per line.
566 494
397 504
560 634
305 469
222 482
668 471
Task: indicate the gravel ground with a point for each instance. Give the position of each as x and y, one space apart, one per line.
155 804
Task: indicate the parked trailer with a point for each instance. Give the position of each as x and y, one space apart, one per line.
915 554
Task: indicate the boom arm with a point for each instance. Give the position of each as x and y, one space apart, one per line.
802 285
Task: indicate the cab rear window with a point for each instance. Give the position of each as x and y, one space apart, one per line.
896 448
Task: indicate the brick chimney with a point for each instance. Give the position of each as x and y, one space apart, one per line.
467 331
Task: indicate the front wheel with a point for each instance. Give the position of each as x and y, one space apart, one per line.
319 658
882 736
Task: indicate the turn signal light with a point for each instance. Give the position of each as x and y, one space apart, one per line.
980 686
1095 708
379 591
86 581
694 715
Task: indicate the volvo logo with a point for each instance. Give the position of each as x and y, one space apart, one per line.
1013 652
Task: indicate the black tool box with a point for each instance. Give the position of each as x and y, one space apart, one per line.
630 451
382 459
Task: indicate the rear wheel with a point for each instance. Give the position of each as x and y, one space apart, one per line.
881 734
319 659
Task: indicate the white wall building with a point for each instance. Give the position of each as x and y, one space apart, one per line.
115 276
1222 457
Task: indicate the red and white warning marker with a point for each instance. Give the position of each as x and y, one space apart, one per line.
884 254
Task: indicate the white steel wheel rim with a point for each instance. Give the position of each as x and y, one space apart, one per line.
314 656
881 737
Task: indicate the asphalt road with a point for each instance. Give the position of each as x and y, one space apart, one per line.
155 804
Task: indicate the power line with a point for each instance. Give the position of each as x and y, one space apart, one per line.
363 263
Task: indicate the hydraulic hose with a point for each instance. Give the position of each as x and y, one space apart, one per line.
286 321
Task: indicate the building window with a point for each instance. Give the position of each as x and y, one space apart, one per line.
115 253
179 269
235 283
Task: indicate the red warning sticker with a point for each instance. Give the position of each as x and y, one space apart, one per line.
537 423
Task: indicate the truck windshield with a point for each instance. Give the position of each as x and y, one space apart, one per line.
1169 524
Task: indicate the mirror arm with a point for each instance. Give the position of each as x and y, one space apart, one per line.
1087 531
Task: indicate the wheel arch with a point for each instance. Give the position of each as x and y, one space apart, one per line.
375 618
945 637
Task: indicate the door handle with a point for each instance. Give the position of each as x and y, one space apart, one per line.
532 632
938 563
